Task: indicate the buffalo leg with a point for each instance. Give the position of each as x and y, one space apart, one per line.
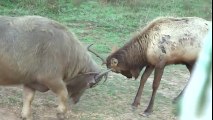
28 96
144 78
157 78
59 88
189 67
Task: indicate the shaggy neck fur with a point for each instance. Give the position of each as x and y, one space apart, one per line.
134 52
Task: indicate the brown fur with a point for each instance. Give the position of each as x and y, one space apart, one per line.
164 41
42 54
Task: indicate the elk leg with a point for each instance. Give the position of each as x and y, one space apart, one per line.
59 88
144 78
157 78
189 67
28 96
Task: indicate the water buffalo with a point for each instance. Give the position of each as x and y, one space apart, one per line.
43 55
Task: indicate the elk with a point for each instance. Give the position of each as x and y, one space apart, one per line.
42 54
164 41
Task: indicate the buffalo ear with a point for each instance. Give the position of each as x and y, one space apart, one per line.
114 62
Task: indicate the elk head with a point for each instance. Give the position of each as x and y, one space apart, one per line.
117 65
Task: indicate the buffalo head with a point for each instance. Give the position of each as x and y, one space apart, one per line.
77 85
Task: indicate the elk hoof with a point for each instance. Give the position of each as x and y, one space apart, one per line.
134 108
146 113
175 100
135 104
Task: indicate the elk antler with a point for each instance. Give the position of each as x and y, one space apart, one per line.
103 60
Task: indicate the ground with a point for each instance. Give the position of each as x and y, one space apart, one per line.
107 101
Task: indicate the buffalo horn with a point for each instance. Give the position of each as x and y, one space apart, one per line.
88 48
104 73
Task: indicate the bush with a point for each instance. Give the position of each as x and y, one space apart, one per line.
130 3
37 6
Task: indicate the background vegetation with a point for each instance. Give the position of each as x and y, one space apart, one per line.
108 23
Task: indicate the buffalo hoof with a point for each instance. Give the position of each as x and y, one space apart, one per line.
26 118
61 116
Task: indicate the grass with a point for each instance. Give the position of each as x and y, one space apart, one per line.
107 25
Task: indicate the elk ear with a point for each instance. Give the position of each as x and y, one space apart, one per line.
114 48
114 62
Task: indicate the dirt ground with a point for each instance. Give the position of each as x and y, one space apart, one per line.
107 101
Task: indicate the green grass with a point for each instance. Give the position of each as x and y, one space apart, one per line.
106 25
